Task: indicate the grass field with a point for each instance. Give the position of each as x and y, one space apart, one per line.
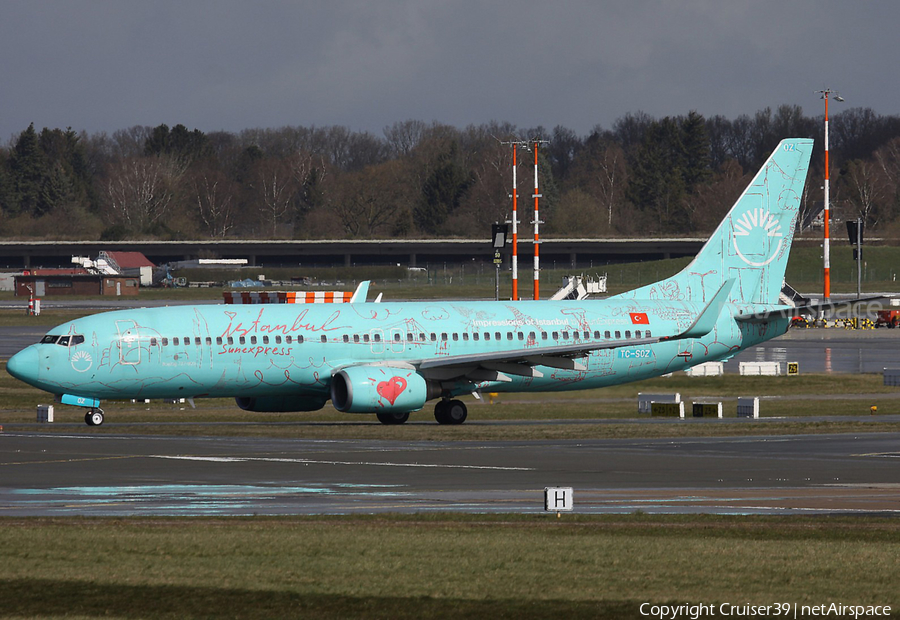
438 566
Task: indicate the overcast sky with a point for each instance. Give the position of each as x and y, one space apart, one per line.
227 64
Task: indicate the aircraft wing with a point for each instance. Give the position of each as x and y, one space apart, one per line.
496 366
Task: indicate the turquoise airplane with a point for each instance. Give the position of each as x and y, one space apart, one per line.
391 358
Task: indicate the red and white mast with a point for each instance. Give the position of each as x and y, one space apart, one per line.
537 221
826 249
515 233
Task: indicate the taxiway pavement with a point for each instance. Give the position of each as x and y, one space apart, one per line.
88 474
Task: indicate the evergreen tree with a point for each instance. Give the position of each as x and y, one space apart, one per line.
28 175
695 142
442 191
657 184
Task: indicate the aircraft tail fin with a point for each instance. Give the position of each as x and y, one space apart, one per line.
752 243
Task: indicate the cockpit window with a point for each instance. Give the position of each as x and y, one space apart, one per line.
63 341
76 339
49 339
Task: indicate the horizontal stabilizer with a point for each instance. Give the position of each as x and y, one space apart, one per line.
850 305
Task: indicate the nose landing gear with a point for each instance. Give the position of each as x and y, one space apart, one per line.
94 417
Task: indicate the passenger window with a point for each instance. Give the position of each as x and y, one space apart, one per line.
165 342
324 338
444 336
153 342
565 335
175 341
230 340
433 336
628 333
465 336
556 335
521 336
475 336
509 336
241 340
376 337
266 339
647 334
355 337
455 337
497 336
543 335
218 340
618 334
252 339
409 337
596 335
637 334
397 338
299 340
487 335
421 337
277 339
208 340
606 335
346 338
198 341
365 337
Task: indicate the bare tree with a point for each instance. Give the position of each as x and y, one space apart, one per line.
213 193
139 190
275 184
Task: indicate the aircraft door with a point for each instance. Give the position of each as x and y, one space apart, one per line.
129 342
685 349
398 344
376 341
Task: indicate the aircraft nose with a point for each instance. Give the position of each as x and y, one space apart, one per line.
24 365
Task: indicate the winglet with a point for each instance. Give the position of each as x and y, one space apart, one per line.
362 291
706 321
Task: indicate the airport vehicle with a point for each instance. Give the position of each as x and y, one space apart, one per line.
391 358
888 318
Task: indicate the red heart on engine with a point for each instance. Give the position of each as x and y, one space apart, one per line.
391 389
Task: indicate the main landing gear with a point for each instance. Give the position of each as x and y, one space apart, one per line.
450 412
387 417
94 417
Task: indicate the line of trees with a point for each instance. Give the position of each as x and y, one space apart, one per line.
669 176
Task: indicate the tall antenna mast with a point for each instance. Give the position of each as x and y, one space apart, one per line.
537 222
826 249
515 221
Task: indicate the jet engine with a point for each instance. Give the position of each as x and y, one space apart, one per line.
280 403
377 389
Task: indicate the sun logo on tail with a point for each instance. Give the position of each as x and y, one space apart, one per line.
757 229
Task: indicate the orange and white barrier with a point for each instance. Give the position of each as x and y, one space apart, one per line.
280 297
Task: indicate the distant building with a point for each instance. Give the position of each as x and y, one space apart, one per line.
50 282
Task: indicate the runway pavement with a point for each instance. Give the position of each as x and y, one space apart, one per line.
92 475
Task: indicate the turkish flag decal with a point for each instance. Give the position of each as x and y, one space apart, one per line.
639 318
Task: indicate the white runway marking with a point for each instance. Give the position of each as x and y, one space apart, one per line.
227 459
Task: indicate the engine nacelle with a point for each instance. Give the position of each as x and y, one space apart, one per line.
373 389
280 403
